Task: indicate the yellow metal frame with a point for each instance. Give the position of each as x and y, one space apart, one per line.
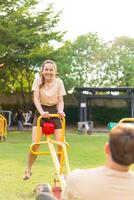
3 127
126 120
64 156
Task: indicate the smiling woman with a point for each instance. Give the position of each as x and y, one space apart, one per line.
48 93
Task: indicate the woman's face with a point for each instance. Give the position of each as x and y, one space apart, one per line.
49 71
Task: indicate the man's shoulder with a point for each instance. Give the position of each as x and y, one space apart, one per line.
89 170
80 173
131 173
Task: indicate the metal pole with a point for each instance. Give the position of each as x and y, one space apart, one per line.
132 107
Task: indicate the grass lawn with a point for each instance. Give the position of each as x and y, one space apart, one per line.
85 152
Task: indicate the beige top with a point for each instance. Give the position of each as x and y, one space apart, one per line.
99 184
50 92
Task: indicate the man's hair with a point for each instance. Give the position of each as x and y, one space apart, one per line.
121 140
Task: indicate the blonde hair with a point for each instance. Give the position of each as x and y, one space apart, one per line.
42 67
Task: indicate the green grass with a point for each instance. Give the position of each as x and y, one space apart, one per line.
85 152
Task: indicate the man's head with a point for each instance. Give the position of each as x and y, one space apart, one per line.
121 142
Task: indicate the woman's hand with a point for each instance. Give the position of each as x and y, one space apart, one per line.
61 114
45 114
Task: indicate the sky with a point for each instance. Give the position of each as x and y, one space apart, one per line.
109 18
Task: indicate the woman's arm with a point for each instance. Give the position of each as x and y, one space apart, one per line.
60 106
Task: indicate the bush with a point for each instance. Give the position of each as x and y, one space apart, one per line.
100 115
103 115
72 114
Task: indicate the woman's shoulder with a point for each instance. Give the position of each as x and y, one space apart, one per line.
59 80
38 79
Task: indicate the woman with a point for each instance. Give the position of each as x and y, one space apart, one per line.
48 93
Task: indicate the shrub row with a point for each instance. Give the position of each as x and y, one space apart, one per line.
99 115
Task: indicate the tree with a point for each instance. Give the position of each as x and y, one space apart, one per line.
119 63
63 57
88 61
25 41
78 60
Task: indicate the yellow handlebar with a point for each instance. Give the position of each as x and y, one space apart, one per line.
126 120
51 116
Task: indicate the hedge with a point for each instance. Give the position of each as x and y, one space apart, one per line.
100 115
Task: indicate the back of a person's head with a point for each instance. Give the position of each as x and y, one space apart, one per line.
121 140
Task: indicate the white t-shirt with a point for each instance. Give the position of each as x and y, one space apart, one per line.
50 92
99 184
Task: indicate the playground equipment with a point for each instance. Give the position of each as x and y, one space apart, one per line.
3 128
126 120
8 115
113 124
48 130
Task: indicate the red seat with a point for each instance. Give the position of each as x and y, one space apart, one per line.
48 128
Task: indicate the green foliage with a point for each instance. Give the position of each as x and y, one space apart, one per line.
78 60
63 57
72 114
102 115
26 37
25 41
119 62
85 49
88 61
